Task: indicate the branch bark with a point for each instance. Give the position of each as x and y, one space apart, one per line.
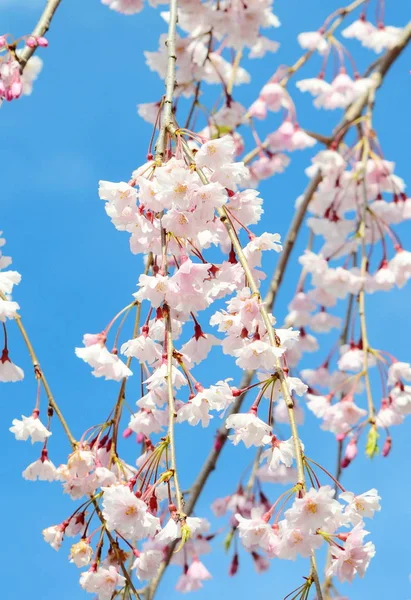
40 30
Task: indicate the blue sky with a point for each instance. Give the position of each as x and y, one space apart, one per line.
79 126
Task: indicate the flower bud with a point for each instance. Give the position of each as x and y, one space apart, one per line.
351 450
31 42
387 446
234 565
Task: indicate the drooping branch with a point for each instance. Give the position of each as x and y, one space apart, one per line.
38 372
351 114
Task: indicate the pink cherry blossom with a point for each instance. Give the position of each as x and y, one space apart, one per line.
289 137
127 514
316 509
354 558
102 581
363 505
127 7
295 541
147 563
280 452
313 40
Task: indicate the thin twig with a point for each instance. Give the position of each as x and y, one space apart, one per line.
40 375
122 392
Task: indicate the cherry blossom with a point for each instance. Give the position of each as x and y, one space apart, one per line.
248 428
102 581
280 452
316 509
354 558
295 541
9 372
127 514
30 427
81 554
42 469
127 7
54 536
363 505
147 563
313 40
189 210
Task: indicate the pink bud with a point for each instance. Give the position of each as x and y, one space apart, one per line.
218 444
387 446
234 565
31 42
260 562
270 92
3 41
258 109
351 450
127 432
198 332
42 42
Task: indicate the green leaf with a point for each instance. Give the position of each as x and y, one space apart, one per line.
185 535
228 539
166 476
371 448
221 130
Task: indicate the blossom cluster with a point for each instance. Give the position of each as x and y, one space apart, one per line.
189 211
8 311
13 81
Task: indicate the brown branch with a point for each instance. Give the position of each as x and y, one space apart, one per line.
40 30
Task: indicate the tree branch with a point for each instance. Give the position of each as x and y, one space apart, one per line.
40 30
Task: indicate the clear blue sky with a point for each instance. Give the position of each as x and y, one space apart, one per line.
79 126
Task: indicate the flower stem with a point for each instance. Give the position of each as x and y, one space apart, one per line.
40 375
